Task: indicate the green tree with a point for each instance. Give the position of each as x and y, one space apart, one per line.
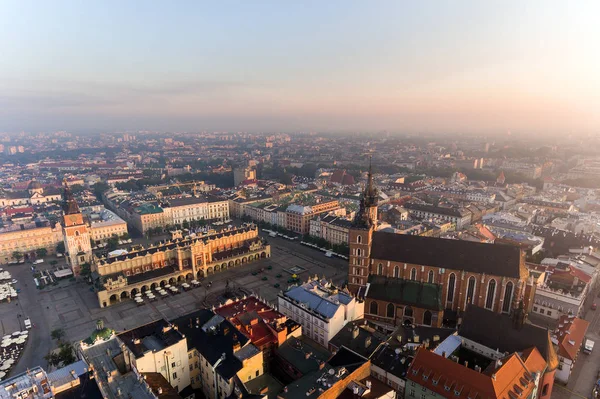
186 224
125 236
17 255
60 247
53 359
41 252
86 270
112 243
66 353
57 334
53 262
99 188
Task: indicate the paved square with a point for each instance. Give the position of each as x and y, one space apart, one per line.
74 308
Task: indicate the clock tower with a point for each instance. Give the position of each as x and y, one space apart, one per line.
360 236
75 233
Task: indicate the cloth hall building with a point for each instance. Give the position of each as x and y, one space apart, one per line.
176 260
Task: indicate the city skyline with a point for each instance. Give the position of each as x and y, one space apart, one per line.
336 66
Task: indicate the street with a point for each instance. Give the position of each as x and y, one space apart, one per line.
584 374
74 307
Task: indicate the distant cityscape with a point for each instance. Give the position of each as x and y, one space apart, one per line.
238 265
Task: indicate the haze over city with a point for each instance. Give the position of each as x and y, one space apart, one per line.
336 66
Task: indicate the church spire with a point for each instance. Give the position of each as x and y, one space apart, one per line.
70 206
367 212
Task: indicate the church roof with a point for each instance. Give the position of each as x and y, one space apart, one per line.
493 259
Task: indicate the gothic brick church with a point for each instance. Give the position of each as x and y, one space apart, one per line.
407 279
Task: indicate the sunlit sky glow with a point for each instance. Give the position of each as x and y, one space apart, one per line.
430 66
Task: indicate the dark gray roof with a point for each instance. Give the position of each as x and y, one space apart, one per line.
213 343
405 292
497 331
152 336
365 343
392 360
497 260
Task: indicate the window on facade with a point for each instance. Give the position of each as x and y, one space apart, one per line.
508 292
412 393
174 375
374 308
427 318
451 284
358 239
390 310
396 271
491 292
413 273
408 312
430 277
471 290
358 252
545 389
380 269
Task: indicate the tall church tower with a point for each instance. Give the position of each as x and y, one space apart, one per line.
360 236
75 233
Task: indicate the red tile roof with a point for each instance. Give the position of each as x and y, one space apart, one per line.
570 334
253 318
511 380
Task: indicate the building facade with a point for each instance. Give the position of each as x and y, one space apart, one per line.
75 233
176 260
331 228
320 308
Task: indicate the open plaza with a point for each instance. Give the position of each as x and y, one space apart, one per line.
74 307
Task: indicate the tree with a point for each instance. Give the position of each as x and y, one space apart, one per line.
58 334
125 236
186 224
52 359
112 243
60 247
63 357
99 188
41 252
17 255
53 262
86 270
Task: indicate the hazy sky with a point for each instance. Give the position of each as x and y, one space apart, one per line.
406 66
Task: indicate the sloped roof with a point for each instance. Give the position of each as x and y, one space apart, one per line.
497 331
316 303
570 334
406 292
497 260
443 375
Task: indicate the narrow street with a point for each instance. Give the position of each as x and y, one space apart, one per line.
585 372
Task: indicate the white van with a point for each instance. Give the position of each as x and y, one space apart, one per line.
588 347
27 323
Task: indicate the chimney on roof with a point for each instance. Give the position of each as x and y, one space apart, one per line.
355 332
494 376
367 341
